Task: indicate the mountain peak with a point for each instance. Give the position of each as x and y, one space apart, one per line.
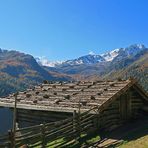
109 56
140 46
91 53
133 49
45 62
122 52
87 59
92 58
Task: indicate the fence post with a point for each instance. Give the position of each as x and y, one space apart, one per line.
43 135
11 139
12 133
75 124
74 120
79 121
98 119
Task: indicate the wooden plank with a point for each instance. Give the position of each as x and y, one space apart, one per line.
24 135
123 107
88 118
83 124
5 144
129 103
35 145
28 137
29 128
60 128
143 93
60 133
71 135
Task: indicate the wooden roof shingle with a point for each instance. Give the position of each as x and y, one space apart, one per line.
66 96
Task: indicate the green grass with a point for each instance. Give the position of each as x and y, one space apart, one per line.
134 134
138 143
55 143
94 139
74 143
137 137
85 140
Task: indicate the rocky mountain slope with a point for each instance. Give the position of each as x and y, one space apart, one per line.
122 62
19 70
116 54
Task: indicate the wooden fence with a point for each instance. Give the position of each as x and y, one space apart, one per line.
54 134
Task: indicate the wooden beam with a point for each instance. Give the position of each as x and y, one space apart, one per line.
141 91
128 95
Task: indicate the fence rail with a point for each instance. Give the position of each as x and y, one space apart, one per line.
55 134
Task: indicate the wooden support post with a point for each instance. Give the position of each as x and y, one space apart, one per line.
79 121
128 104
43 136
97 119
74 120
74 123
123 107
14 113
11 139
14 118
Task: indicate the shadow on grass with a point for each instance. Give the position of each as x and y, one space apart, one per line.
85 140
132 130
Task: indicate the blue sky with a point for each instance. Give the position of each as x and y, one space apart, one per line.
65 29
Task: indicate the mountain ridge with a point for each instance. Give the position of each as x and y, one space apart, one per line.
111 69
96 58
19 71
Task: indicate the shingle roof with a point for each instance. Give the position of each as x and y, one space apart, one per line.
66 96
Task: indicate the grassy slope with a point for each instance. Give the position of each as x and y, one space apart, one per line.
137 135
73 143
138 143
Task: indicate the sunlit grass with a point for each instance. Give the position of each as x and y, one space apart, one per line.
138 143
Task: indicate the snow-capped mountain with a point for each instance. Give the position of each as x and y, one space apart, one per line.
129 51
45 62
109 56
88 59
116 54
134 49
123 52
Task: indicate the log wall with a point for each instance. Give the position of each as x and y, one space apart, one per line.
32 117
137 103
110 117
128 106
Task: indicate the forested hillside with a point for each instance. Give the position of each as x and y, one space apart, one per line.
19 71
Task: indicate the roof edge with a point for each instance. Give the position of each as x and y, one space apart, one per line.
131 83
141 91
139 88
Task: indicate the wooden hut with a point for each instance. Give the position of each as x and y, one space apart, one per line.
116 102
